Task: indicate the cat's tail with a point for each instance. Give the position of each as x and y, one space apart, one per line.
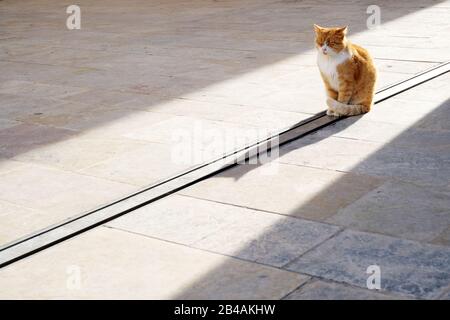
343 109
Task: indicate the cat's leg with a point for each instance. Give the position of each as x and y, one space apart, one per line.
346 88
348 103
332 107
366 105
332 95
367 99
339 105
361 102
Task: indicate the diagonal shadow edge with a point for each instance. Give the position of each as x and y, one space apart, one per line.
52 235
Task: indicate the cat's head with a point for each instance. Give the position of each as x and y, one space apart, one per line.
330 41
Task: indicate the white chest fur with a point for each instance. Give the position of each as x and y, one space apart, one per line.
328 66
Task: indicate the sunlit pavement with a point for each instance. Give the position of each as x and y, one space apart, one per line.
88 116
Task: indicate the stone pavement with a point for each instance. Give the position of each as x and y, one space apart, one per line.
89 116
368 190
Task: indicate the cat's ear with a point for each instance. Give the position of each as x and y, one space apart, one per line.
343 30
317 28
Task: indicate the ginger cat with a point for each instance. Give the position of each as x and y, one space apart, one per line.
347 71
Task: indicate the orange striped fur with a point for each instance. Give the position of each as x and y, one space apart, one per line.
347 71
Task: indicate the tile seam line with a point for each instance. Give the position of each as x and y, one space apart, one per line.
280 268
385 293
304 284
326 221
162 55
303 122
258 210
287 265
235 156
176 176
443 293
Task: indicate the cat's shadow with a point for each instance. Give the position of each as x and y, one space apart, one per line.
314 137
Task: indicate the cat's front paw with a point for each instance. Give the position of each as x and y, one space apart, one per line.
332 113
331 103
333 107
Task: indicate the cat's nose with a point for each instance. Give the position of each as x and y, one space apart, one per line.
324 50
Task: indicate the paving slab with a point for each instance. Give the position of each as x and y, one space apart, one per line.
57 194
285 189
399 209
248 234
25 137
156 269
407 267
436 91
181 219
101 121
15 107
42 73
399 148
388 121
325 290
77 153
333 153
96 98
409 164
38 90
54 55
414 54
402 111
244 115
398 66
438 120
159 160
435 141
196 131
360 128
20 221
267 239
